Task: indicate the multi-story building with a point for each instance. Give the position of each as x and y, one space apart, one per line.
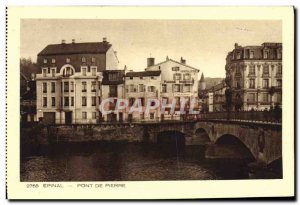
69 85
179 81
254 73
143 86
113 87
216 97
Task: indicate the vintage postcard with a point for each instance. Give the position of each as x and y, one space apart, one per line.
150 102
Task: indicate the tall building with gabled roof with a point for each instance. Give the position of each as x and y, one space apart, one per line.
69 85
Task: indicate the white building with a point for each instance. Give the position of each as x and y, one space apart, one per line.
179 81
69 85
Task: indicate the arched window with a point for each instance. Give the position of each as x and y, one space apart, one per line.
67 70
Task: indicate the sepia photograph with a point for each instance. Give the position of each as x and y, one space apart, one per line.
140 100
150 100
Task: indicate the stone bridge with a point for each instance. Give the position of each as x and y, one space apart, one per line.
261 141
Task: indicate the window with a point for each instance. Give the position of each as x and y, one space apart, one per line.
53 72
141 78
279 98
177 76
93 100
66 101
93 60
279 54
72 101
72 86
45 70
113 91
53 101
266 54
252 69
187 76
53 60
113 76
238 55
83 102
251 97
67 71
44 87
52 87
266 69
279 69
84 115
44 101
130 78
175 68
186 88
176 88
94 115
151 89
151 116
66 86
142 116
83 85
45 60
164 88
68 60
83 59
83 71
131 101
251 54
265 83
141 88
131 88
177 99
93 71
252 83
279 83
93 86
265 97
142 101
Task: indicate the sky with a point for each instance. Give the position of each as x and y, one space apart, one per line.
203 43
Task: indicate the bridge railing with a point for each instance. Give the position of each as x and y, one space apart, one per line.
253 116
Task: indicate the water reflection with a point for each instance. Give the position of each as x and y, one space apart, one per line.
109 161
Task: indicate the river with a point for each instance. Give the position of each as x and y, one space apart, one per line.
122 161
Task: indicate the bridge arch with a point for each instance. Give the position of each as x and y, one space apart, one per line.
201 136
235 147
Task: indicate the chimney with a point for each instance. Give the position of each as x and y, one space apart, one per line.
183 61
236 45
104 39
63 41
73 40
150 61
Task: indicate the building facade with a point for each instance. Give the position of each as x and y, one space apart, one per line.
143 86
216 97
254 74
179 81
69 85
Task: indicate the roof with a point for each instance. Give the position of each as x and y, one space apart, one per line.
75 48
144 73
218 86
202 78
169 59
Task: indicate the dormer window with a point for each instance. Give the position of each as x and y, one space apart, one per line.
45 60
53 60
93 60
68 60
266 54
83 59
238 55
251 56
